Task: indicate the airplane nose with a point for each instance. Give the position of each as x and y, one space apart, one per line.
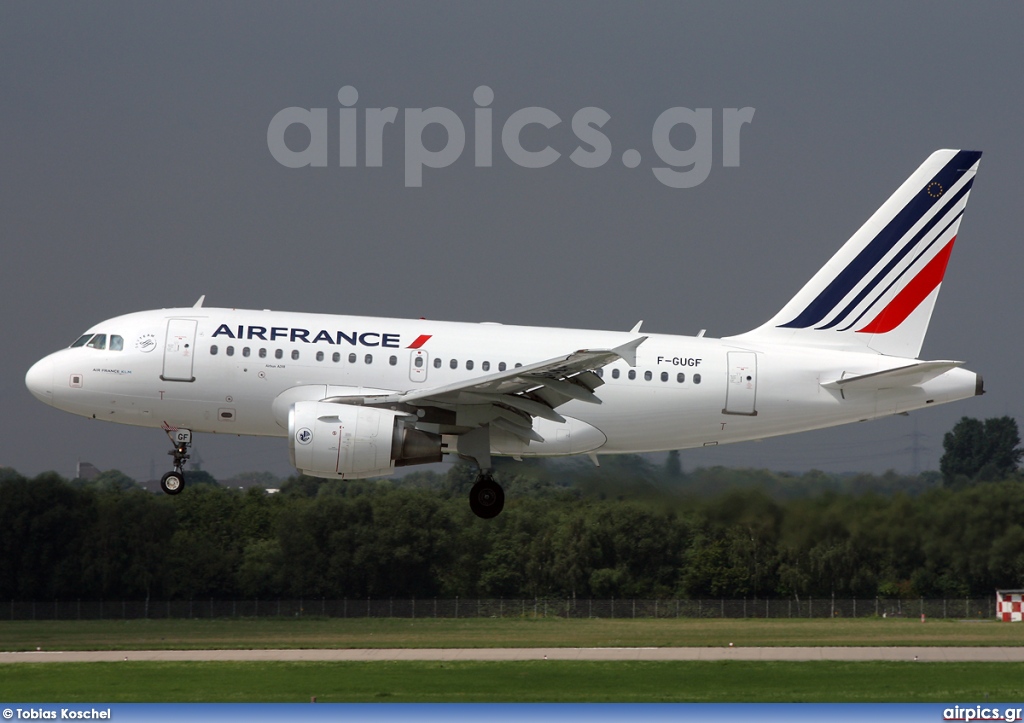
39 380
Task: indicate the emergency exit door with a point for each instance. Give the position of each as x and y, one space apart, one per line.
179 350
741 390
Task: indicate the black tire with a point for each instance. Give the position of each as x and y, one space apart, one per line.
173 482
487 498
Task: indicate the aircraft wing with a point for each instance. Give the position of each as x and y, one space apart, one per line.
510 399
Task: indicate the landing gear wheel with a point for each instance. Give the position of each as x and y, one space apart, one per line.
173 482
487 498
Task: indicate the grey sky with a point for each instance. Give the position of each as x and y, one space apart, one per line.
135 174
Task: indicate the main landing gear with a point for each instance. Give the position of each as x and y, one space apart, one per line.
174 482
486 498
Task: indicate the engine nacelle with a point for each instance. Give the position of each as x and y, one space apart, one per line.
346 441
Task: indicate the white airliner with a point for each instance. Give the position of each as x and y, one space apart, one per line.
360 396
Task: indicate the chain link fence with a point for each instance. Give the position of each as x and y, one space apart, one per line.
960 608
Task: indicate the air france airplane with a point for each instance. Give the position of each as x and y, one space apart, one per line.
359 396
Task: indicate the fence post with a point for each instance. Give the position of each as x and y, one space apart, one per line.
413 607
876 606
855 607
943 608
832 611
456 607
723 607
613 606
79 614
810 607
744 607
634 608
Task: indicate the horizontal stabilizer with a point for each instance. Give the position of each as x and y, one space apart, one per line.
907 376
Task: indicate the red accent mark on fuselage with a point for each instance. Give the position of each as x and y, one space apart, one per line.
897 310
420 341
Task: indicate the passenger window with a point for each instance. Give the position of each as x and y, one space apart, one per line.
116 343
263 353
469 365
518 365
664 376
680 377
213 350
319 356
336 357
454 363
648 376
599 373
437 362
632 373
98 342
696 378
615 373
245 351
230 351
295 354
352 358
81 341
501 366
393 360
278 353
369 359
418 362
486 366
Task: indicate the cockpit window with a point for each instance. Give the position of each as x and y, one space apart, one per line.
116 343
98 342
81 340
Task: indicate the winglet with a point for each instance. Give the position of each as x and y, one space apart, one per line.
199 304
628 351
636 329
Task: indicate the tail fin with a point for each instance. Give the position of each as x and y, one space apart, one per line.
878 291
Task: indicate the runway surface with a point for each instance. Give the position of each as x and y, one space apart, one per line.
919 654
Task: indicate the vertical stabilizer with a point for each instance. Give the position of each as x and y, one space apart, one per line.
878 292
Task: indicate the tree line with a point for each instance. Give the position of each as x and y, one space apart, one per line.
627 529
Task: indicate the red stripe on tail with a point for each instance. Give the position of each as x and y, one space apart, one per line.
897 310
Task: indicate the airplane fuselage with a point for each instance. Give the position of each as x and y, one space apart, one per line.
222 370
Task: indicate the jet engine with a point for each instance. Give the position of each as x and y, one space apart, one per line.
349 442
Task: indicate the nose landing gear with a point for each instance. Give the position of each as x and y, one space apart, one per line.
174 482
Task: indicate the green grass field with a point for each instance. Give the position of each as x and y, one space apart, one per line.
534 681
248 633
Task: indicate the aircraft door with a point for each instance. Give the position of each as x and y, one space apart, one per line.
418 365
741 389
179 350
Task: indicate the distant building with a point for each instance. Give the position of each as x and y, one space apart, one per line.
87 471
